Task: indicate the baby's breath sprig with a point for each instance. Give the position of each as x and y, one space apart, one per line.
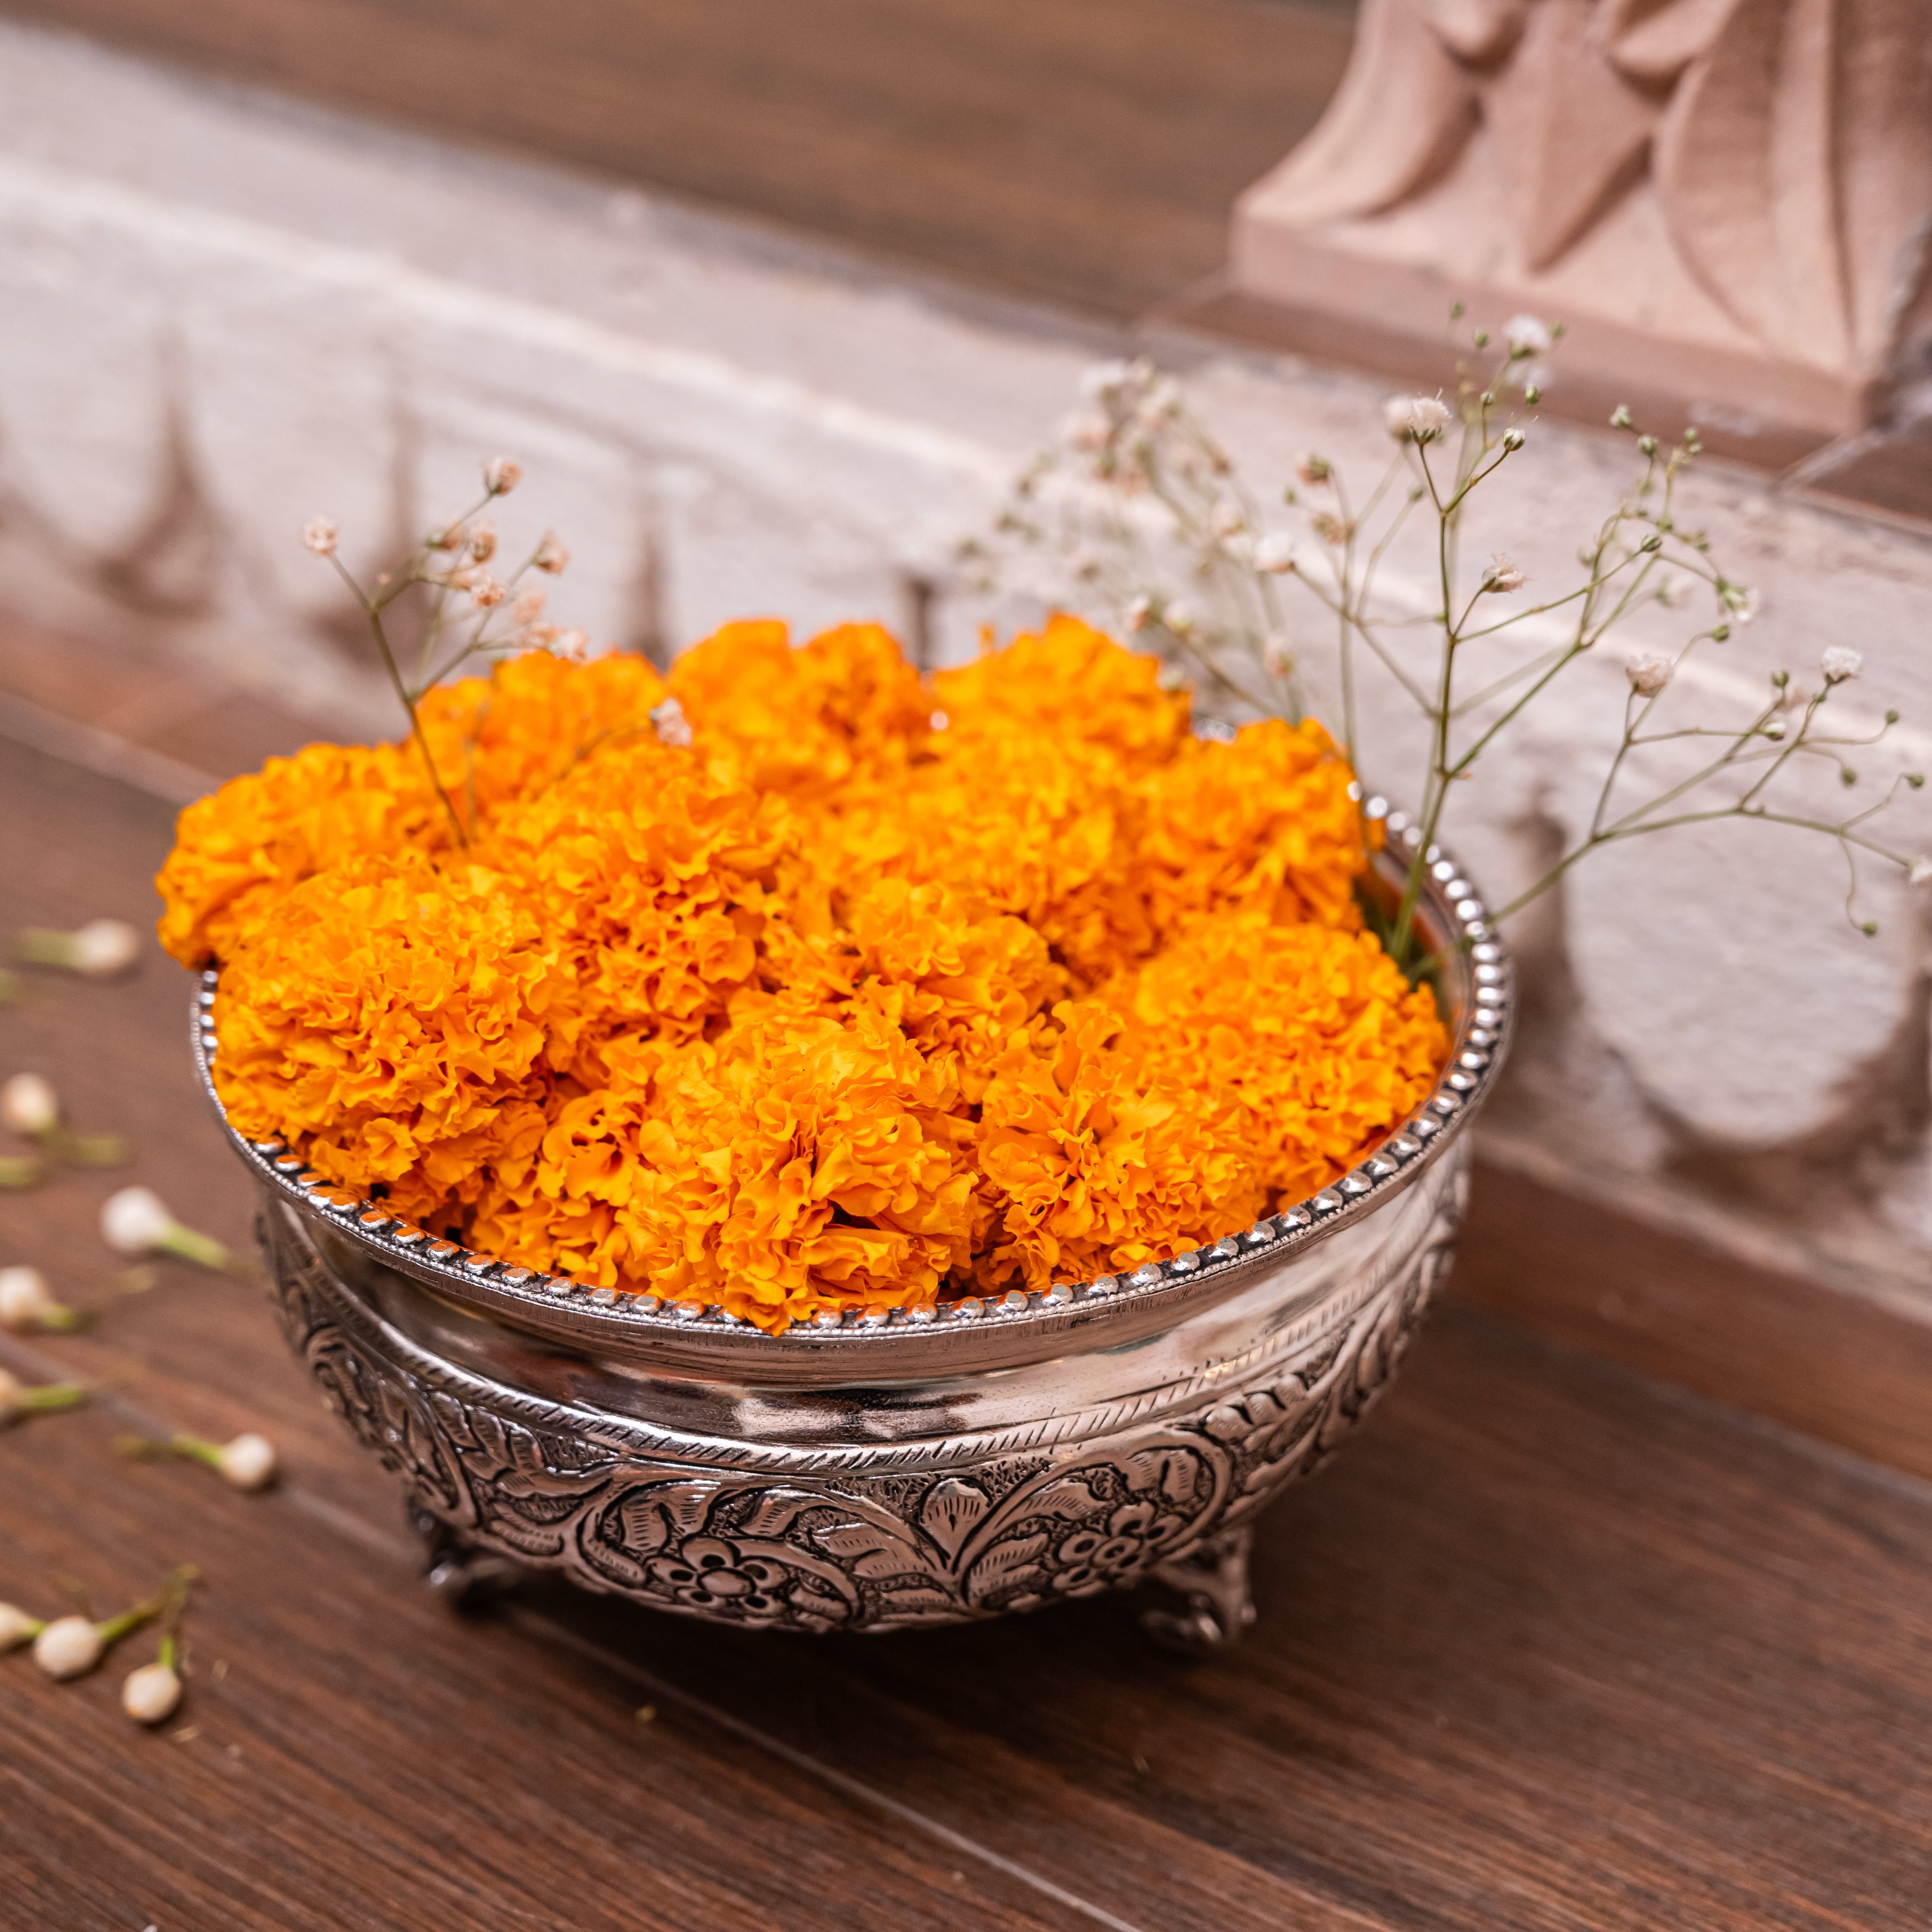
1139 510
472 611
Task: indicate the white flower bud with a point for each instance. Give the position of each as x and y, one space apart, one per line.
669 721
103 947
1178 616
1503 576
1103 381
501 475
1920 872
28 1106
488 594
247 1462
319 535
100 949
1840 665
1138 611
25 1302
1277 655
133 1221
1086 432
552 554
152 1694
17 1628
482 543
68 1647
1647 673
1527 335
1416 418
1275 553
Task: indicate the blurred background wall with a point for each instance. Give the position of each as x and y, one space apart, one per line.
771 300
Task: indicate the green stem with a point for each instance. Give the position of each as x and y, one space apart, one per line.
203 1250
52 1396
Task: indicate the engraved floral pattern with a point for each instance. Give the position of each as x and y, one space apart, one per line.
526 1480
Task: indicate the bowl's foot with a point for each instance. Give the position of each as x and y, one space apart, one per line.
465 1579
1217 1607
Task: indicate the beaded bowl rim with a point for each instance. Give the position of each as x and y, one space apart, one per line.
638 1324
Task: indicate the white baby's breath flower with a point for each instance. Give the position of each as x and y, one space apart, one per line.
1086 432
1277 655
1919 873
1275 553
29 1106
320 535
1527 335
671 725
1840 665
488 594
17 1628
152 1694
482 545
1416 418
1138 612
501 475
1160 404
1647 673
528 606
1739 600
1503 576
552 554
1178 616
68 1647
1102 381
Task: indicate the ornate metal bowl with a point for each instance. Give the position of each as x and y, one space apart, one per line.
920 1467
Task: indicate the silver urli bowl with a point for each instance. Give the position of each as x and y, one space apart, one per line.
918 1467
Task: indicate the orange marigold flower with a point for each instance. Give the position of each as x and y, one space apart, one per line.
1264 822
241 851
1300 1045
384 1011
1070 680
860 989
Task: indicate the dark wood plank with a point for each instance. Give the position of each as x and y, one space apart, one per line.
1549 1648
1842 1367
1087 150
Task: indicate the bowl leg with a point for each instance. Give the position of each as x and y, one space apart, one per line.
466 1578
1217 1607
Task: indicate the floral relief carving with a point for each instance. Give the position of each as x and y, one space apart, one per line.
1008 1534
1746 172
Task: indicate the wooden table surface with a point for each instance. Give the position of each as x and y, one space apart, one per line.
1549 1646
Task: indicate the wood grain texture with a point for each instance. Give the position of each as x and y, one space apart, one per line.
1548 1647
1848 1369
1087 150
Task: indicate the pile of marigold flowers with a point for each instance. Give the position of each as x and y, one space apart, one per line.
824 986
